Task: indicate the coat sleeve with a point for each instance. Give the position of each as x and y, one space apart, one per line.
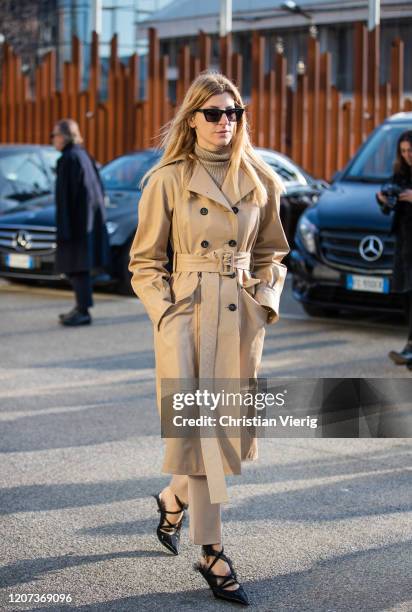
148 253
70 175
270 248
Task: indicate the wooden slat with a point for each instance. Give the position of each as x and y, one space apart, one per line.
397 72
385 103
336 131
280 127
205 50
194 67
225 43
237 66
300 129
12 99
3 93
258 84
373 78
360 83
38 119
324 165
131 95
309 122
348 136
102 132
269 116
313 72
164 93
184 73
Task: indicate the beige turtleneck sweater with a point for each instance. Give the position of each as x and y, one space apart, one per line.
215 162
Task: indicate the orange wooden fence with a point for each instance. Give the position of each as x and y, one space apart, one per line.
309 122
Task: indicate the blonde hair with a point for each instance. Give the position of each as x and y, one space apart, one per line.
178 139
69 128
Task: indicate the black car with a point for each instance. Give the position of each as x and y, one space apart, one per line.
27 236
343 257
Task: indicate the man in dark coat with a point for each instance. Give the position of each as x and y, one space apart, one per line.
82 238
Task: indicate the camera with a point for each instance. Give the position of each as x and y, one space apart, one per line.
391 191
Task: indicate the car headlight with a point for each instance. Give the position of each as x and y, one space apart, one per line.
111 227
307 232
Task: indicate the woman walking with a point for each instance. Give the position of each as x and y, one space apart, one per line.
82 238
402 228
217 203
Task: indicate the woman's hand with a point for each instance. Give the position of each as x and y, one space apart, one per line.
406 196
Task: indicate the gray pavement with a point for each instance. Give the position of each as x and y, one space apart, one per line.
313 525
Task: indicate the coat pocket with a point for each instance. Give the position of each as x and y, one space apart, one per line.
261 311
182 286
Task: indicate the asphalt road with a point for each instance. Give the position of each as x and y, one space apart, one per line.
314 525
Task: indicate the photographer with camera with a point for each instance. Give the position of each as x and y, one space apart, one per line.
396 196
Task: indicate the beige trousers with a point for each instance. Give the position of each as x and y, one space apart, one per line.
204 517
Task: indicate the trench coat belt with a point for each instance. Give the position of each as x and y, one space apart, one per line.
220 262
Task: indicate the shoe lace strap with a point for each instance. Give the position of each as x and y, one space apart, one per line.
208 551
182 505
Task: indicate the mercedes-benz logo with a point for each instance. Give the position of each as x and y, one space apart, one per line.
371 248
22 240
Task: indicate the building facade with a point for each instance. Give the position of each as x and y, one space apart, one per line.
180 21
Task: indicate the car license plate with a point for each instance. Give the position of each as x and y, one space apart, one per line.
18 260
367 283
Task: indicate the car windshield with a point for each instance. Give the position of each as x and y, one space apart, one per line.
374 163
124 173
289 173
22 176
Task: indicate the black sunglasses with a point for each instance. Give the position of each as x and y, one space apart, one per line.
215 114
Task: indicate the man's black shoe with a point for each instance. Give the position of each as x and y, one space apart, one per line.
77 318
64 315
404 357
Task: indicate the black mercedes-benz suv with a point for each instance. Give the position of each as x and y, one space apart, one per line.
343 255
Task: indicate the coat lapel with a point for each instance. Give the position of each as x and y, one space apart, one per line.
201 182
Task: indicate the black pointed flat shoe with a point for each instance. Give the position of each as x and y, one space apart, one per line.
169 535
218 583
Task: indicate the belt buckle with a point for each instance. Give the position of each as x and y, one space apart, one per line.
227 263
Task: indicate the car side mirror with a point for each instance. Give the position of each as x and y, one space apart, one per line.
322 184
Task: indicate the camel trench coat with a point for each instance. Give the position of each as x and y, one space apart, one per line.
207 324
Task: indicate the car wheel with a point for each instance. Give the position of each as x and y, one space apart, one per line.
318 311
123 275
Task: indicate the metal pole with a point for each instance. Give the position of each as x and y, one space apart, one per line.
225 17
374 14
97 16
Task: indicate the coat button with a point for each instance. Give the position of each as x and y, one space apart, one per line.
232 307
232 243
204 211
204 244
235 210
